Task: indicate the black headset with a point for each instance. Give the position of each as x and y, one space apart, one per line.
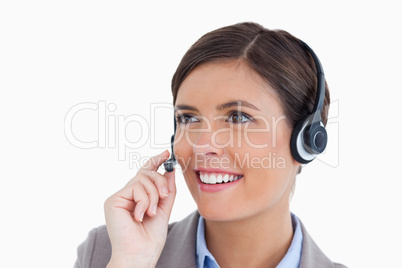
309 137
169 164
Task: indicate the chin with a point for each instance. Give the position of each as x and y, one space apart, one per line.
213 212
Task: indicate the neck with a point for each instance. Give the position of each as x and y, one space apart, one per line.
266 236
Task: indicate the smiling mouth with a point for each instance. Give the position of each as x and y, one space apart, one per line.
217 178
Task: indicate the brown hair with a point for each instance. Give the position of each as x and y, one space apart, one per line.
276 56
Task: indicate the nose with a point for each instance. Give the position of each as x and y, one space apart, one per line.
206 144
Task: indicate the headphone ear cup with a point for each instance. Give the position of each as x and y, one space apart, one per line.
315 139
296 143
308 140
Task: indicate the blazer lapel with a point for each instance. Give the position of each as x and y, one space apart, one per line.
179 250
312 256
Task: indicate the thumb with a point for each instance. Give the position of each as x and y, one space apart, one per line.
166 204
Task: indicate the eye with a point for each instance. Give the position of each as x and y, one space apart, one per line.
186 119
237 117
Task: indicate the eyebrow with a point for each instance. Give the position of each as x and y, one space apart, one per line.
185 107
235 103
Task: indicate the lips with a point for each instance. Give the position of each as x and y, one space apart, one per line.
214 181
217 178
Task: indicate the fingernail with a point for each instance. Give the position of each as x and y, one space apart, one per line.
142 217
165 191
154 209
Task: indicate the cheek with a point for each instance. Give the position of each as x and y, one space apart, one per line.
272 135
268 177
263 142
269 187
267 160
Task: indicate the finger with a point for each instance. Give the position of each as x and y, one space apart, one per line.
160 182
141 199
154 162
119 201
151 165
166 204
152 192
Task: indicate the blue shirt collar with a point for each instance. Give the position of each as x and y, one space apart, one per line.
291 259
204 257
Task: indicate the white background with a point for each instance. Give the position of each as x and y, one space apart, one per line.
57 54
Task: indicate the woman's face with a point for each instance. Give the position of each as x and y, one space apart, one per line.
232 142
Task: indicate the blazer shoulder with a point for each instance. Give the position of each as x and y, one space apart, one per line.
96 250
312 256
179 249
339 265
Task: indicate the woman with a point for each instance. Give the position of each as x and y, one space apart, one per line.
240 94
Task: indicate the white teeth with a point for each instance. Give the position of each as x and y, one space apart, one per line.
226 178
214 178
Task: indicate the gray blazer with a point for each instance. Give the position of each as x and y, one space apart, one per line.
179 250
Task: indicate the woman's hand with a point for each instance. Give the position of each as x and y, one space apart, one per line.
137 216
